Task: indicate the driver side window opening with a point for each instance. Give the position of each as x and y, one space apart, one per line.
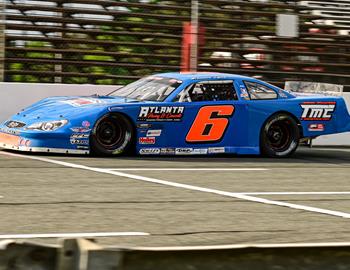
208 91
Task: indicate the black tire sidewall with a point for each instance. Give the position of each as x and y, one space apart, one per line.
295 134
122 148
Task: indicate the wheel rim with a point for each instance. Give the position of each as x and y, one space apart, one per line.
110 133
279 135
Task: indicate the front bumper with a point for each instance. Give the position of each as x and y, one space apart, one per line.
18 143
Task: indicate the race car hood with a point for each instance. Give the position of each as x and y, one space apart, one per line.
55 108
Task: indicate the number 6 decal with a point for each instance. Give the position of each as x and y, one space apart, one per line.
210 124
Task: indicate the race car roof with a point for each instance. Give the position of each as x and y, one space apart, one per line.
201 75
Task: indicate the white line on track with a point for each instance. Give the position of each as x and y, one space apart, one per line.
298 193
70 235
185 186
188 169
240 246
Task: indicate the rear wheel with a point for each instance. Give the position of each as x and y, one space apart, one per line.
279 136
111 135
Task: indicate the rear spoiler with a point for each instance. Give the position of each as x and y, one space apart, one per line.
314 88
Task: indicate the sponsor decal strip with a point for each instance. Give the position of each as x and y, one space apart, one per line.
81 102
149 151
154 133
10 131
147 140
317 111
320 102
79 142
191 151
189 187
176 151
84 128
316 127
216 150
167 151
161 113
80 136
80 129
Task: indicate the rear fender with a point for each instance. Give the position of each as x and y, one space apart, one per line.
336 120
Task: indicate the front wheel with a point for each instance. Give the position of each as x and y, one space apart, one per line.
111 135
279 136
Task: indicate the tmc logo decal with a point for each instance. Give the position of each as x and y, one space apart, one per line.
317 111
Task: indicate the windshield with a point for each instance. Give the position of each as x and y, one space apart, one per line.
149 89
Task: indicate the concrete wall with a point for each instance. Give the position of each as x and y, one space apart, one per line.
337 139
16 96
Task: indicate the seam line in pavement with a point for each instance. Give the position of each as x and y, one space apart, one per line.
188 187
300 193
71 235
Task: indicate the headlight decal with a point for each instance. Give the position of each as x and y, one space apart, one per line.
47 126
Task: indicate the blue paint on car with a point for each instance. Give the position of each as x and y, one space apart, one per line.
79 115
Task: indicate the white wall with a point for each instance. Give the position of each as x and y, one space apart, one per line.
16 96
337 139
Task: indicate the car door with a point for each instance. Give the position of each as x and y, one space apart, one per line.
214 120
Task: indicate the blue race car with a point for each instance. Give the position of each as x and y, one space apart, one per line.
178 114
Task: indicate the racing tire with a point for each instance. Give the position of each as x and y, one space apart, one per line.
279 136
112 135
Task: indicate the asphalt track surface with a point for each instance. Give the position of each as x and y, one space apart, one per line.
179 201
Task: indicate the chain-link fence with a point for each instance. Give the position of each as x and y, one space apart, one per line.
113 42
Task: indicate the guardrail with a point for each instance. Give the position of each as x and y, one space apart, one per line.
81 254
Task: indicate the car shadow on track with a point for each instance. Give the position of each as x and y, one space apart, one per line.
303 155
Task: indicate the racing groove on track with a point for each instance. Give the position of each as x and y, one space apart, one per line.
43 197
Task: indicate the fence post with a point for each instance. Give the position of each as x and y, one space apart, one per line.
2 39
194 35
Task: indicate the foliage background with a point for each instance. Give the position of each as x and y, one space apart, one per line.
114 42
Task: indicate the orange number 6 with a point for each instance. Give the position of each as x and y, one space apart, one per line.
210 124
